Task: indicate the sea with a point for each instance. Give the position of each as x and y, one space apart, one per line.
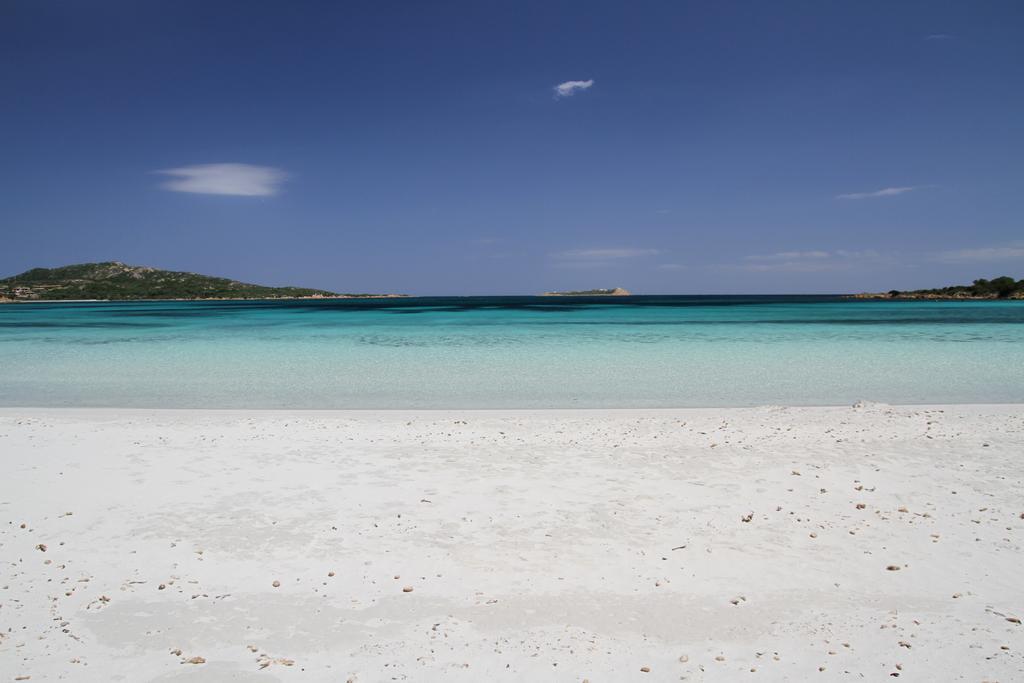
511 352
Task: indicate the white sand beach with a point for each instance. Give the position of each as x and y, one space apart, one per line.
765 544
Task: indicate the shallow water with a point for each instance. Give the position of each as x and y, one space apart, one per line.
511 352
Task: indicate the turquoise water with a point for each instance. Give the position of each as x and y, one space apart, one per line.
511 352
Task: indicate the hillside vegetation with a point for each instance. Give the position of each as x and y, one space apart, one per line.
1004 287
115 281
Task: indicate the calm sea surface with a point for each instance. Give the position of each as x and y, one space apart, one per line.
511 352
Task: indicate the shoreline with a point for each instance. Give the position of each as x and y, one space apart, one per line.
513 412
864 296
500 412
707 543
257 298
927 297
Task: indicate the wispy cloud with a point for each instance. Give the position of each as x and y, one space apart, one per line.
243 180
810 261
885 192
604 254
598 257
980 254
569 88
820 260
789 256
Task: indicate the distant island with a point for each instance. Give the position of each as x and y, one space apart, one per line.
116 281
616 291
1004 287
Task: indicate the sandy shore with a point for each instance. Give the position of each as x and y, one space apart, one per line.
769 544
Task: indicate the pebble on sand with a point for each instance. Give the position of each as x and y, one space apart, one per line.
407 589
276 584
196 660
893 567
41 547
645 669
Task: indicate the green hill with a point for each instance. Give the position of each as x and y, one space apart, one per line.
115 281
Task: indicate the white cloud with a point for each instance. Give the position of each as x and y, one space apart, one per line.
568 88
243 180
980 254
886 192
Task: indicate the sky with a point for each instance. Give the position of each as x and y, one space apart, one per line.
517 147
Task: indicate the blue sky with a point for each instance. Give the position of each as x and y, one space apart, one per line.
710 147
